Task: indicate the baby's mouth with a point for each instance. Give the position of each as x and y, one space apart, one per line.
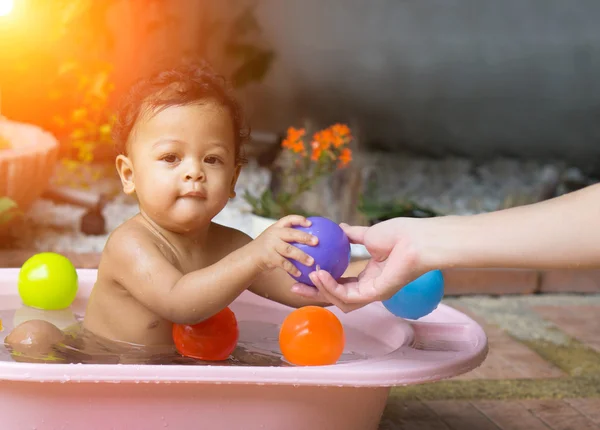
195 194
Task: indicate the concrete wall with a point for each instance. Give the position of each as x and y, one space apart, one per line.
472 77
475 77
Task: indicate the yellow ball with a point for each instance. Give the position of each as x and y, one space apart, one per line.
48 281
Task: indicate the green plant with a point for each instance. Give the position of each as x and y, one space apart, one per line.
380 211
231 39
8 209
72 42
376 210
69 40
88 125
252 61
327 151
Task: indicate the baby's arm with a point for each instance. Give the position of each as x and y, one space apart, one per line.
190 298
276 285
180 298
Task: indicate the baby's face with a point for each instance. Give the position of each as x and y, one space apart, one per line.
181 165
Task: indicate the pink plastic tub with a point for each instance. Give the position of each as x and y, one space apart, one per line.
348 396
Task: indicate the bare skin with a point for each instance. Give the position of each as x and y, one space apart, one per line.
558 233
171 263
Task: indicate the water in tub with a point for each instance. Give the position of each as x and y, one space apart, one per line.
257 346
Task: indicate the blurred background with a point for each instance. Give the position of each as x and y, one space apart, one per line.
457 106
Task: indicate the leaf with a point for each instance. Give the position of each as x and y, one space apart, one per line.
6 204
67 67
79 114
245 23
105 130
243 50
265 205
376 211
253 70
8 209
78 134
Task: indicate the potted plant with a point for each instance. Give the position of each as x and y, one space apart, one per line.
27 158
307 161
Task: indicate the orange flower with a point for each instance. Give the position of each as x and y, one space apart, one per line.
341 129
295 134
340 134
345 157
324 138
297 147
317 150
293 141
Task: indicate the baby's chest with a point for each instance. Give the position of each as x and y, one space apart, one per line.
197 262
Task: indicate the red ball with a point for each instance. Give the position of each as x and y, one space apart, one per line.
213 339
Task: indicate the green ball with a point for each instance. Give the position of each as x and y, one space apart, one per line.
48 281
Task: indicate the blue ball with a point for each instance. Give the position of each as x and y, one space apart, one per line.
419 297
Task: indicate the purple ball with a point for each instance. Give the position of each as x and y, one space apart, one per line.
331 254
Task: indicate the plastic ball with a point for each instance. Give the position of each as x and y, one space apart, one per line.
419 297
213 339
48 281
312 336
331 254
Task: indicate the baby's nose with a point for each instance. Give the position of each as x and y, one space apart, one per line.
194 174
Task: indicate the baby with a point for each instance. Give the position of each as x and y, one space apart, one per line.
179 137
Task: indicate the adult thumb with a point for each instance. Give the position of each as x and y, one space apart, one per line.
356 234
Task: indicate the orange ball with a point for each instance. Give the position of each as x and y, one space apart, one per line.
312 336
213 339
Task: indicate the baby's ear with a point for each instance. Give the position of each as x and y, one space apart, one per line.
236 175
125 169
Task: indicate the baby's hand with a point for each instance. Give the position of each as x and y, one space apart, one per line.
273 249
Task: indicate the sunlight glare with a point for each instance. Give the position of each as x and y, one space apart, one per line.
6 7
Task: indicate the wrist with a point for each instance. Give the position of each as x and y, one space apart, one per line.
439 242
253 258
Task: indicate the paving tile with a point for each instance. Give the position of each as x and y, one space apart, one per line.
559 415
507 358
461 415
410 415
572 414
594 344
490 281
509 415
578 321
570 281
574 387
587 407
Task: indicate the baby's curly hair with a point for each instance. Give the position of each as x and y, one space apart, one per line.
185 84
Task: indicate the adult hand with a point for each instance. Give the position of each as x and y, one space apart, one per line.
394 263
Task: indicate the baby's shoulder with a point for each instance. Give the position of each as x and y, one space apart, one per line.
131 237
228 239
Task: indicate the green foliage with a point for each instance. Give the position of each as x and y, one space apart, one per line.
233 44
62 47
381 211
253 60
8 209
309 161
61 52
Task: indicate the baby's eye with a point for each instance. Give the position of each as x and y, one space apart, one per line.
170 158
211 159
